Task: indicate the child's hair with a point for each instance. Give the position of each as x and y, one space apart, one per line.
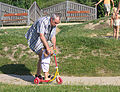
114 10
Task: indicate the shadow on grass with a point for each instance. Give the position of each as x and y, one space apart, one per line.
109 36
18 71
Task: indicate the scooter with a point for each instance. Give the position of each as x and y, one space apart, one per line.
56 76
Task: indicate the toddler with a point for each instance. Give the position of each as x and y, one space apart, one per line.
116 22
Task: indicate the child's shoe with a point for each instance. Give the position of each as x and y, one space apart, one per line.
39 76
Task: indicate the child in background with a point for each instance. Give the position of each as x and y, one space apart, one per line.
116 22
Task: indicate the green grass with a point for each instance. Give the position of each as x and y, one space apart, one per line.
57 88
81 54
85 55
20 65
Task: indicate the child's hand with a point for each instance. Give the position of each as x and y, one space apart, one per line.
46 53
51 52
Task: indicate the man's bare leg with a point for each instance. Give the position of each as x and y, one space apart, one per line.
108 13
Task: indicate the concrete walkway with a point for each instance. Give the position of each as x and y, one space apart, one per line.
14 27
28 80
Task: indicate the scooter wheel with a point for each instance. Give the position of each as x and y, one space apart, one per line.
59 80
36 80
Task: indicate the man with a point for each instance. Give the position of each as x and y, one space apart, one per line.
41 35
106 6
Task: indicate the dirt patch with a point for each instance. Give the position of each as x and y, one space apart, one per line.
16 27
23 47
99 53
101 24
22 52
93 35
6 49
109 34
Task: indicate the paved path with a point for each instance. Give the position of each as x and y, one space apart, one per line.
14 27
28 80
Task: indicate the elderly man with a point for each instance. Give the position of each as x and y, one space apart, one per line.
106 6
42 34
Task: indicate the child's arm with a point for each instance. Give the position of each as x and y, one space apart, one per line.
98 2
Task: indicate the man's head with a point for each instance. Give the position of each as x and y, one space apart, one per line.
55 19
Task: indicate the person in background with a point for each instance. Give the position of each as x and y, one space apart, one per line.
107 6
115 20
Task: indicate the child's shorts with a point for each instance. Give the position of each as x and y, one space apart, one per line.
45 67
45 62
116 22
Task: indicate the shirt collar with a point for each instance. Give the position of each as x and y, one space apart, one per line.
49 22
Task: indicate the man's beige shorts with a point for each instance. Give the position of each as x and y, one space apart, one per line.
107 7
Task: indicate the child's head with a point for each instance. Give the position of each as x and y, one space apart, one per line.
114 10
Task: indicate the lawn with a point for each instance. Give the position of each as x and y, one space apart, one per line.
80 53
57 88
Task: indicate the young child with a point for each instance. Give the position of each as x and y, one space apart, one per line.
45 64
116 22
45 61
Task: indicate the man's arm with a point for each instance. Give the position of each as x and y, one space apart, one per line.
99 2
54 42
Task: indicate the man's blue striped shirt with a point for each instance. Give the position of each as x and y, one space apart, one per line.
42 25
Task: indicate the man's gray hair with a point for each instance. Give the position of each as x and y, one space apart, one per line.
55 15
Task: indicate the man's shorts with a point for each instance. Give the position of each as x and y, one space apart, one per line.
107 7
41 46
